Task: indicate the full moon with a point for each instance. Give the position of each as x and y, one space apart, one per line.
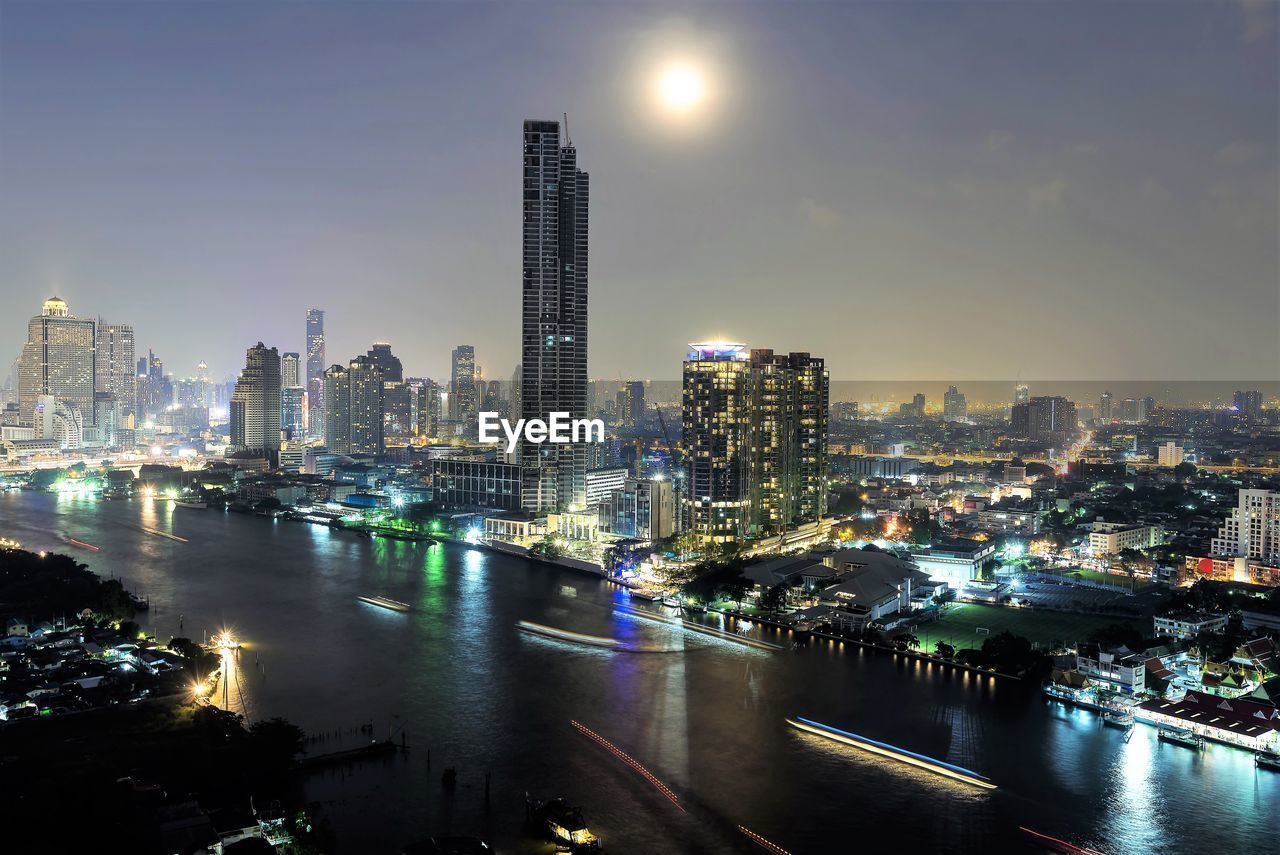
681 88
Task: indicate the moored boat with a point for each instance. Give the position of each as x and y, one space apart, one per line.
673 602
199 504
1181 736
1267 760
563 823
1118 718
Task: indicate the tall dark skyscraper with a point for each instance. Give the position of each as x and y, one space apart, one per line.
553 324
315 368
462 383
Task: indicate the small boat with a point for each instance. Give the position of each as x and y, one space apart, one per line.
671 601
563 823
1267 760
386 603
1118 718
198 504
1181 736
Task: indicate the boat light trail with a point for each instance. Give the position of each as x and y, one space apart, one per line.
1057 842
630 761
681 623
764 843
566 635
75 542
920 761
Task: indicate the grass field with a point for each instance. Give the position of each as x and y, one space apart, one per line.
1043 627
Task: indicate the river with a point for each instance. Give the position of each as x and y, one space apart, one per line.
706 717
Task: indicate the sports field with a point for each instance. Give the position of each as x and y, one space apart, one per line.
962 620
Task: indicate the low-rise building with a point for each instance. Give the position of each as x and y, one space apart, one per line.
1113 538
1122 668
956 562
1249 723
1189 624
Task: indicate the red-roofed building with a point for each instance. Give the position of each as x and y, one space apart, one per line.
1246 722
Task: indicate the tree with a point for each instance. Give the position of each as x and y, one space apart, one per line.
774 598
1185 470
944 650
1006 651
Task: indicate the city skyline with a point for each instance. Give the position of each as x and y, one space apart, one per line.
1119 209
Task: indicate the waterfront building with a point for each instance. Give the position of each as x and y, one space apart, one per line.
602 482
642 508
471 484
255 403
1253 527
956 562
755 435
717 440
1121 668
115 370
58 420
59 359
315 369
955 407
553 325
1250 723
354 415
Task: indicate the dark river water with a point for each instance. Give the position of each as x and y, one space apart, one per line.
705 716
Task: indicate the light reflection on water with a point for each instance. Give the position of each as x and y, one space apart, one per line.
707 717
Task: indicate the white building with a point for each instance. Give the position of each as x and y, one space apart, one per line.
602 482
1253 528
1113 538
1169 454
1189 624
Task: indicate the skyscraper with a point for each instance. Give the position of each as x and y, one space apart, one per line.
315 368
955 408
289 370
255 403
463 386
353 418
116 371
1105 408
1248 402
1253 527
553 322
392 369
717 440
59 360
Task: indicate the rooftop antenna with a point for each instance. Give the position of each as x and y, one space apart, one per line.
568 139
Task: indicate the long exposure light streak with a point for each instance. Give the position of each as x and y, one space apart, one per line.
630 761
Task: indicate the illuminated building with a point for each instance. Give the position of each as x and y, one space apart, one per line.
717 440
1169 454
642 508
255 403
1105 408
553 321
475 484
293 402
315 369
602 482
755 436
353 417
463 386
115 371
392 370
954 406
1049 419
289 369
1113 538
1248 403
1253 528
58 359
425 397
60 421
1021 394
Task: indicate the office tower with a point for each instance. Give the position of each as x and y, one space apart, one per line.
58 360
315 368
255 403
353 417
426 397
1248 403
205 389
917 405
1129 412
630 404
1146 406
1021 393
954 406
1049 419
463 386
1104 408
553 326
116 371
289 369
715 412
392 370
643 508
397 409
1253 528
293 401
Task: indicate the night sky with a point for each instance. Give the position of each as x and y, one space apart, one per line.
912 190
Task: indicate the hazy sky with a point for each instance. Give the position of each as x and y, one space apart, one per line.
912 190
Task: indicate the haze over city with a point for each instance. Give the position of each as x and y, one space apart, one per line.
979 190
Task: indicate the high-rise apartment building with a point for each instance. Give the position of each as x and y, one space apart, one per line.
464 399
1046 418
392 369
1105 409
290 369
1021 393
315 369
354 415
255 403
1253 528
1248 403
553 324
116 372
755 440
426 398
955 408
58 360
